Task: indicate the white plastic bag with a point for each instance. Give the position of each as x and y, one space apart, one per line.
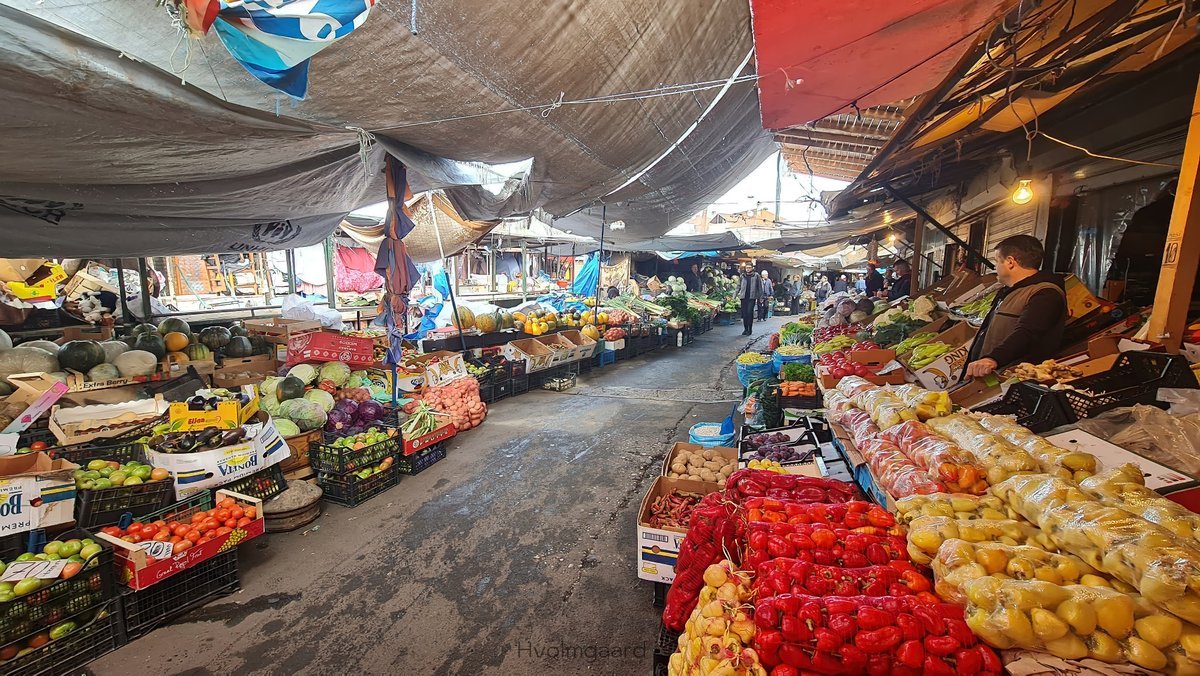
297 307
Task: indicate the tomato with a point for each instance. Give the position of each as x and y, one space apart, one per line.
128 538
135 527
227 503
224 530
838 372
231 523
149 531
244 521
174 539
236 513
181 546
111 530
37 446
199 517
193 535
160 524
251 512
210 524
39 640
162 535
222 514
205 538
136 538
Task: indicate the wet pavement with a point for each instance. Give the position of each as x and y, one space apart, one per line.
514 555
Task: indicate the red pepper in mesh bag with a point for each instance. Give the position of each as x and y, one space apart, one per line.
821 545
795 576
852 515
747 483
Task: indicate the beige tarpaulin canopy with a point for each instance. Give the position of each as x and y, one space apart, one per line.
427 209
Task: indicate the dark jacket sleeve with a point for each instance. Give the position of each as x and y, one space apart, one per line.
1045 310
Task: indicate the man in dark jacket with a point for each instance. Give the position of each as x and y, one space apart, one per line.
750 290
901 286
1028 316
874 279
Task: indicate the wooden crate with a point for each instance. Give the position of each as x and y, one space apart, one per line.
299 446
278 330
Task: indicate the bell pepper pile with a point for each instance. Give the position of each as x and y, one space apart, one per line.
793 576
897 635
750 484
819 544
851 515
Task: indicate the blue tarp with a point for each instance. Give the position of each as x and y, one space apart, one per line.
587 277
676 255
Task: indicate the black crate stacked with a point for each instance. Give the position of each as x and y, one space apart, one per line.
421 460
104 506
159 604
78 613
263 484
350 476
664 647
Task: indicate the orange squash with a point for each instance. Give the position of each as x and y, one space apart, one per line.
176 341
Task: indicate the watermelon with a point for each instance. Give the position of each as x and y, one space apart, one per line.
152 343
174 324
290 387
80 355
239 346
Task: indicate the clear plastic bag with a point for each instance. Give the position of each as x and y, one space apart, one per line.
1075 622
859 424
896 473
926 534
941 459
958 562
1125 487
1172 440
836 402
1160 565
956 506
1071 465
852 385
925 403
886 409
1000 458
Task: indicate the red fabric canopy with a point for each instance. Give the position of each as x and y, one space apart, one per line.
816 59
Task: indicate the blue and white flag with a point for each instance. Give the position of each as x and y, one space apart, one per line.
274 39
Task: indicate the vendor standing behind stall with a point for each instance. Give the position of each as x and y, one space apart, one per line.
1028 316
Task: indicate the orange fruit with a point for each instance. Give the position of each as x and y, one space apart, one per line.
176 341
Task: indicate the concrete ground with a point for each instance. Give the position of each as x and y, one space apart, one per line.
521 541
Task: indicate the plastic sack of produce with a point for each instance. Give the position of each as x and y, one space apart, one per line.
1162 566
752 366
1125 487
852 385
854 515
722 605
868 635
708 435
858 422
1071 465
793 576
1000 458
748 483
1075 622
836 402
956 506
886 409
795 541
958 562
924 403
942 460
896 473
926 535
711 533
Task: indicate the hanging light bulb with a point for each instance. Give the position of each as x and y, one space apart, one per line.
1024 192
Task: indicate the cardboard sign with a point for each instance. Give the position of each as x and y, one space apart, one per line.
42 570
324 346
40 400
156 549
946 371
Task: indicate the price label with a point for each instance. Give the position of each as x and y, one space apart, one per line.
159 550
45 570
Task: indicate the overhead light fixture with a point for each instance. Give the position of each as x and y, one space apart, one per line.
1024 192
892 238
617 225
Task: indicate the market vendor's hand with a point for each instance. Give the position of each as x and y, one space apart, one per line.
981 368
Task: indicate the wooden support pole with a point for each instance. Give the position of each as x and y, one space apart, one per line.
918 244
1168 319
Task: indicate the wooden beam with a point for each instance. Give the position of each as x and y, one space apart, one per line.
804 136
854 130
1168 319
825 147
918 244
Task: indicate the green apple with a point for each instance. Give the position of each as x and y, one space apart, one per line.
87 541
88 485
27 556
89 550
53 547
78 474
118 477
70 548
91 474
41 557
143 472
107 472
100 484
97 465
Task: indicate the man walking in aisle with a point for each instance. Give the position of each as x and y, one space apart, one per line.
749 291
768 292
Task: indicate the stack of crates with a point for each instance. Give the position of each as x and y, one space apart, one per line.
350 476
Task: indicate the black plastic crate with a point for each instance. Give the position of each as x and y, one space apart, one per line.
263 484
40 610
102 632
666 645
342 459
349 490
660 594
420 461
1134 379
82 454
105 506
1035 406
160 603
520 384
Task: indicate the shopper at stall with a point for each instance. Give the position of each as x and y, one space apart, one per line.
692 279
860 283
822 289
901 285
1027 318
874 279
841 285
749 292
768 293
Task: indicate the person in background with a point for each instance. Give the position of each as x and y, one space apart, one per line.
1028 316
797 289
902 282
768 292
822 289
841 285
874 279
750 290
691 278
860 283
838 314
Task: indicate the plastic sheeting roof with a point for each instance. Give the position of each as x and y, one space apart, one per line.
107 152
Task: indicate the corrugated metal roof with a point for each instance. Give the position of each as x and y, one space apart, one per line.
840 146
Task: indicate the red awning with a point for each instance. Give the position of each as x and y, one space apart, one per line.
816 59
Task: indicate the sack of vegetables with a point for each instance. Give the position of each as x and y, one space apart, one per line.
752 366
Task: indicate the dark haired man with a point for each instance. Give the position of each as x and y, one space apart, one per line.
1027 318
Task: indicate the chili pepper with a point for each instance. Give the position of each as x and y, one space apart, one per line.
826 639
816 585
824 557
766 616
825 663
930 620
910 628
793 655
853 658
789 605
879 664
843 625
901 670
882 519
785 670
941 645
935 666
854 560
779 547
911 654
768 639
927 597
803 541
991 661
875 587
878 641
897 589
959 630
856 542
870 618
758 540
968 662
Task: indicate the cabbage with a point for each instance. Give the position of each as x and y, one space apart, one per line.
339 420
269 403
305 372
323 399
369 411
267 386
307 414
889 317
336 371
923 308
286 427
102 372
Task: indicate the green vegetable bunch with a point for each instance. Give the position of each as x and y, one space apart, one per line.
924 355
797 372
796 333
911 342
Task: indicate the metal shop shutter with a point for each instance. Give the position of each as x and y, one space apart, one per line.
1009 219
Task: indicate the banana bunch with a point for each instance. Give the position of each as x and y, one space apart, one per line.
925 403
716 640
911 342
924 355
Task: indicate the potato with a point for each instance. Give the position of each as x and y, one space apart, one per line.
695 461
679 467
694 477
709 454
707 475
712 466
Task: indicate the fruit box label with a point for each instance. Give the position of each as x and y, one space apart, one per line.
323 346
945 371
442 433
31 502
657 553
195 472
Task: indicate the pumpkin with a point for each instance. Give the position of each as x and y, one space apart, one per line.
506 321
198 352
465 319
136 363
80 355
176 341
26 360
102 372
239 346
290 387
238 329
113 348
487 323
591 332
174 325
259 344
215 337
178 357
152 343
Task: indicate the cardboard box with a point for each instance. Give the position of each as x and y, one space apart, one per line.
97 333
278 330
83 283
977 392
658 548
229 414
18 269
891 372
195 472
565 352
420 443
442 367
585 347
139 571
298 449
536 356
41 285
946 371
35 492
35 393
101 421
323 346
167 369
238 371
1080 300
616 345
730 454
